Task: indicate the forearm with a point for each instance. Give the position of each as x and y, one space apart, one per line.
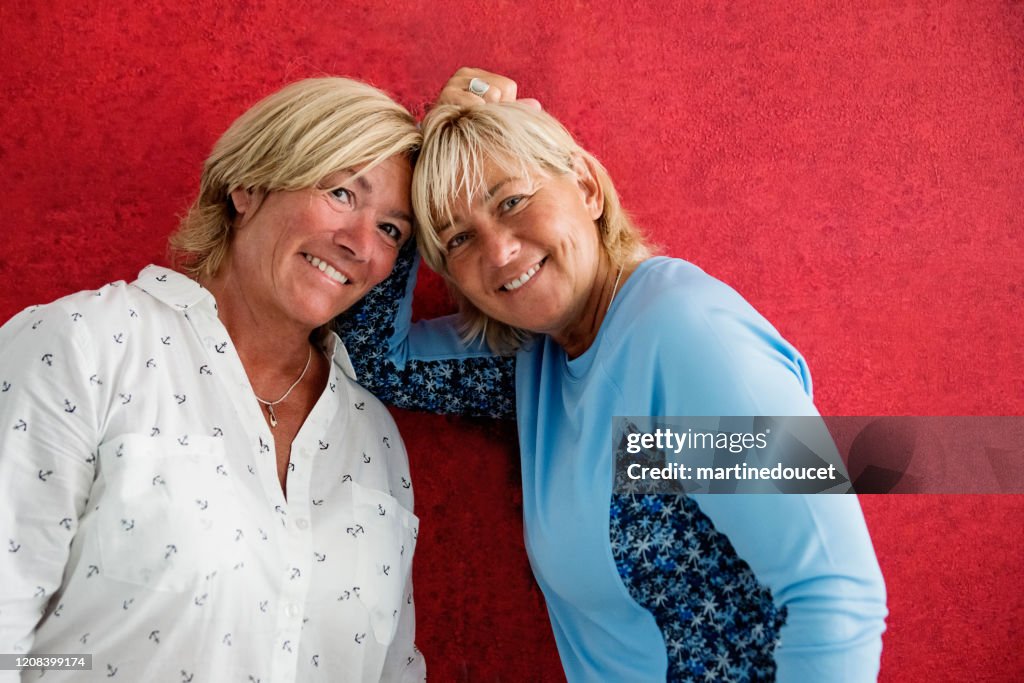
814 553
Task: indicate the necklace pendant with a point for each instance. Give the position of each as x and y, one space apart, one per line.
270 404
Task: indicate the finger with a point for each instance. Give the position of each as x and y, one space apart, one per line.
530 102
493 94
460 96
457 90
505 88
502 89
467 72
508 89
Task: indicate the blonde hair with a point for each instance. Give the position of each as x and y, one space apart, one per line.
290 140
457 143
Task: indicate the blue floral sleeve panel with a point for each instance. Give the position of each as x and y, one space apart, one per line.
422 366
718 622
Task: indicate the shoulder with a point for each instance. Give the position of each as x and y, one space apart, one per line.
62 348
674 301
71 317
669 284
110 299
102 325
678 322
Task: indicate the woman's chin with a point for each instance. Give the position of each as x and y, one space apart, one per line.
316 306
314 316
535 321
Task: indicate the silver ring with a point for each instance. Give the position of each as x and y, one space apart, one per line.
478 86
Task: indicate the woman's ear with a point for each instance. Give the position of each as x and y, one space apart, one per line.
590 188
245 202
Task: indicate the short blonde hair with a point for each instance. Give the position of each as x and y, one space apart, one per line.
290 140
457 143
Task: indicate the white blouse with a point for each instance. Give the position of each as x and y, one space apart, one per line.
142 519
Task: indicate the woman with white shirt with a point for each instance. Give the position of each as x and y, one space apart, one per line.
192 484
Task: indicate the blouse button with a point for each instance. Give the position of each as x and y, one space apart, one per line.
294 610
302 523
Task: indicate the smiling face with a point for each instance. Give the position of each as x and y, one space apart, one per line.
305 256
526 251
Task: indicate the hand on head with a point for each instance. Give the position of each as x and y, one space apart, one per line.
469 87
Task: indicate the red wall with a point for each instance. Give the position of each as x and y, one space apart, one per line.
855 173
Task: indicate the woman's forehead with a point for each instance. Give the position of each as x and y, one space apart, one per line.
484 178
359 171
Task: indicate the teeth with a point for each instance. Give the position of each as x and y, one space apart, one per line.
326 269
521 280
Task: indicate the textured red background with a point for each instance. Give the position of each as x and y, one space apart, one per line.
855 173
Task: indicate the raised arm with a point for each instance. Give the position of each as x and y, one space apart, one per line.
425 366
422 366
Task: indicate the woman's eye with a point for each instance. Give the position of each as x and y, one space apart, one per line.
511 202
342 195
392 231
456 241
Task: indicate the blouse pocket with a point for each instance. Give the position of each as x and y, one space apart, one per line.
387 539
167 511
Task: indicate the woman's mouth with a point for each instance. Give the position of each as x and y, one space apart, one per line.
326 268
524 278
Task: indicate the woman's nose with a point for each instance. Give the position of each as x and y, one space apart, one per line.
356 234
500 246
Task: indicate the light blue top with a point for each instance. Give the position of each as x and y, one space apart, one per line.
641 587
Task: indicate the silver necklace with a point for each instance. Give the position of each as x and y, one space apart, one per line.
270 404
615 289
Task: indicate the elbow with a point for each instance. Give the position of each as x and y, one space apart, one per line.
833 629
830 611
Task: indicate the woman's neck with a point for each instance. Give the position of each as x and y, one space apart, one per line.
272 349
581 335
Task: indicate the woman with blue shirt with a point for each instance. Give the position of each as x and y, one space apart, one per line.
561 303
